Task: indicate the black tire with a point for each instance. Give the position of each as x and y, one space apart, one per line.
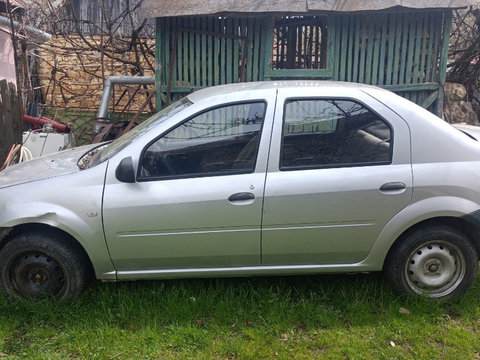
35 265
435 262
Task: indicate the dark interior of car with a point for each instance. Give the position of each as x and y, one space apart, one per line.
362 145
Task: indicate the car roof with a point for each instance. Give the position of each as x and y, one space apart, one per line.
271 85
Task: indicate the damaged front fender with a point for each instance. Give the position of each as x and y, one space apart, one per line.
71 203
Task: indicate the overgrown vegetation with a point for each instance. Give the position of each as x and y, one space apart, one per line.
464 53
328 317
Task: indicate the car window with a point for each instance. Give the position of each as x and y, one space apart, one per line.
223 140
329 132
117 145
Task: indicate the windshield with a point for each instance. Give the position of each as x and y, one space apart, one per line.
115 146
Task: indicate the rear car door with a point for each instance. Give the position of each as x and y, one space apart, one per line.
339 170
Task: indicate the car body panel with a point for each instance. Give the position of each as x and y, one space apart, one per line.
61 163
331 215
187 228
471 130
49 202
170 223
178 223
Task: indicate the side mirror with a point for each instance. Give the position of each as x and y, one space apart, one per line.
125 171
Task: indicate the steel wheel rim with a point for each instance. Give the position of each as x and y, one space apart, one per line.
35 274
435 269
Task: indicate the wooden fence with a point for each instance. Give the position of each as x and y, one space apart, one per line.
10 118
403 51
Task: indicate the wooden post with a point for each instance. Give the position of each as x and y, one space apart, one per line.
10 118
442 69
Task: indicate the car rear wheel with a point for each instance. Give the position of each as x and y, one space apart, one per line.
38 265
435 262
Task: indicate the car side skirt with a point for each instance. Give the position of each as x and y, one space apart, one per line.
243 271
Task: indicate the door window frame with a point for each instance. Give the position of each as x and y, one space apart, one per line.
211 174
330 166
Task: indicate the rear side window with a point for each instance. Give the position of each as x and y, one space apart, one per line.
333 133
220 141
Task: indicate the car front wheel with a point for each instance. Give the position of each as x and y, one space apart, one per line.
435 262
38 265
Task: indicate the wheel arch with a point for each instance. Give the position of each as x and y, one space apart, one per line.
467 225
9 234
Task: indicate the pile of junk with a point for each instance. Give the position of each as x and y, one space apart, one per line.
42 136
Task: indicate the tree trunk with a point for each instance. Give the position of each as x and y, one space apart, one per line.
10 118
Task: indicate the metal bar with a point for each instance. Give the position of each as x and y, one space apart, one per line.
34 34
126 80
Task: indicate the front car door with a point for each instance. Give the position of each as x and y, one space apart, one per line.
197 199
339 170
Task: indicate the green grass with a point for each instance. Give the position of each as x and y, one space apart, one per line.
328 317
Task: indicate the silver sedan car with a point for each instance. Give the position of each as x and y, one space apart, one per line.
269 178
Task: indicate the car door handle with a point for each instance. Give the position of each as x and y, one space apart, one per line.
241 196
393 186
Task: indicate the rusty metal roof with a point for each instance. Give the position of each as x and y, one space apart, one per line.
167 8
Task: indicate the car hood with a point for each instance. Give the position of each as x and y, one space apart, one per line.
60 163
